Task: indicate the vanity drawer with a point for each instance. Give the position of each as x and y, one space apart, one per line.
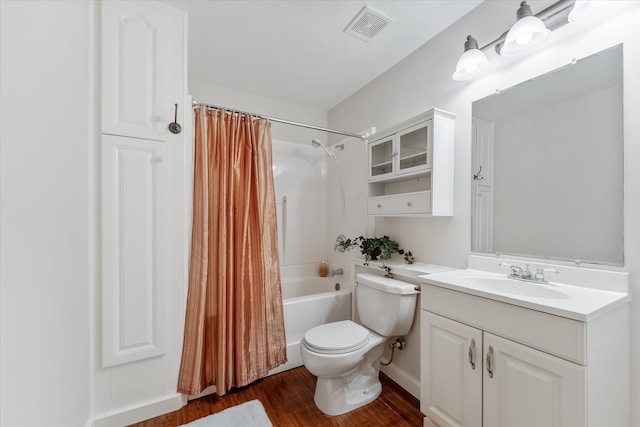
560 336
400 204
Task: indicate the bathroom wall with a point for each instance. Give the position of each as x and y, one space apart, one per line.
45 185
423 80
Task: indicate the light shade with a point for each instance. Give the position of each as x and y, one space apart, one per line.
527 33
472 63
587 10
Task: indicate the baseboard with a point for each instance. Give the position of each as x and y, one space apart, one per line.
142 412
403 379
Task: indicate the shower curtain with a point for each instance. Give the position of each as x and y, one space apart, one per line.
234 327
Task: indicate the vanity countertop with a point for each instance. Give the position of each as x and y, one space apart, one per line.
400 268
570 301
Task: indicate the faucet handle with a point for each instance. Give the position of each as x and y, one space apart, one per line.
540 273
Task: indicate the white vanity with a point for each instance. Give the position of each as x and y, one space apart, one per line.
503 352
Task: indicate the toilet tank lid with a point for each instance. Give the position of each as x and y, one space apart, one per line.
386 284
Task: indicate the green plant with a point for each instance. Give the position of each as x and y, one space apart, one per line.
376 248
408 257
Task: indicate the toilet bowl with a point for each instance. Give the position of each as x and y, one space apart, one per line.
345 356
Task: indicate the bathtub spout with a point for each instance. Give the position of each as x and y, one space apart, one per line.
337 272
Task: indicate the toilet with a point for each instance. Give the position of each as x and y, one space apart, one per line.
345 355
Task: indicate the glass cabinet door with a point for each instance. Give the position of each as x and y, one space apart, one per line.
381 158
414 149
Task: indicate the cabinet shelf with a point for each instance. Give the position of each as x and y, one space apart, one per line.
382 165
414 156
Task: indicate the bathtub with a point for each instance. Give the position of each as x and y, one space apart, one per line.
308 302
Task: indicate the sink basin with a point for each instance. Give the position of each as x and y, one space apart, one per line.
514 287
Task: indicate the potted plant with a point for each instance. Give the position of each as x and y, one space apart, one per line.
376 248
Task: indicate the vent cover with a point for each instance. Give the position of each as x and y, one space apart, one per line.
367 24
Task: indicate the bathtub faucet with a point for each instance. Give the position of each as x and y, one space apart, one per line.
337 272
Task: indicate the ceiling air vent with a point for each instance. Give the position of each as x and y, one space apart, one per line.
367 24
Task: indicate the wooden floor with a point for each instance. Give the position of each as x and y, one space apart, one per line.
288 400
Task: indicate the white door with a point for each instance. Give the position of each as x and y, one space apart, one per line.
142 53
524 387
482 223
482 152
133 249
451 371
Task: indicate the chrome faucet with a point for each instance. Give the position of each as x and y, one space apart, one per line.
519 273
337 272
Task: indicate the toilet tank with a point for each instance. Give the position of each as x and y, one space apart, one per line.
386 306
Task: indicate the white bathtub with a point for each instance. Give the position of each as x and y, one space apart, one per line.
309 302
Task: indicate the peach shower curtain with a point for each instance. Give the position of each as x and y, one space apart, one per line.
234 327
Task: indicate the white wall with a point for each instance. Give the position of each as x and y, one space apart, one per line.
49 221
45 254
238 99
423 80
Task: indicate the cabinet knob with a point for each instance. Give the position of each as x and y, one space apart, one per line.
409 204
379 205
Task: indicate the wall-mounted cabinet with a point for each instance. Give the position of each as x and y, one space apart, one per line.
411 167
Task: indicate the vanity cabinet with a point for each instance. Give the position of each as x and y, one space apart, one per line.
485 362
411 167
474 378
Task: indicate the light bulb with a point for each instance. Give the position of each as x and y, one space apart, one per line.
524 39
528 32
472 62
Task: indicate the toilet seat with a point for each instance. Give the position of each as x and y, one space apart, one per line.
337 337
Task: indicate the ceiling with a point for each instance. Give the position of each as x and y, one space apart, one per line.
297 51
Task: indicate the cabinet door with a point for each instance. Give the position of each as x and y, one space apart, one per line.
142 45
451 371
414 149
133 246
528 388
381 154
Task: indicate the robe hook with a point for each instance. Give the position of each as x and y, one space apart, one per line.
478 176
175 126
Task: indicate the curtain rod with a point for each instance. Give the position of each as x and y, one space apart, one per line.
286 122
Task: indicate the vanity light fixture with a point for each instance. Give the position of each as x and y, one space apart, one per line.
528 32
587 10
472 63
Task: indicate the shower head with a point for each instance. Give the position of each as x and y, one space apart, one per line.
317 144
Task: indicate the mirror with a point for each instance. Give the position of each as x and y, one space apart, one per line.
547 178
